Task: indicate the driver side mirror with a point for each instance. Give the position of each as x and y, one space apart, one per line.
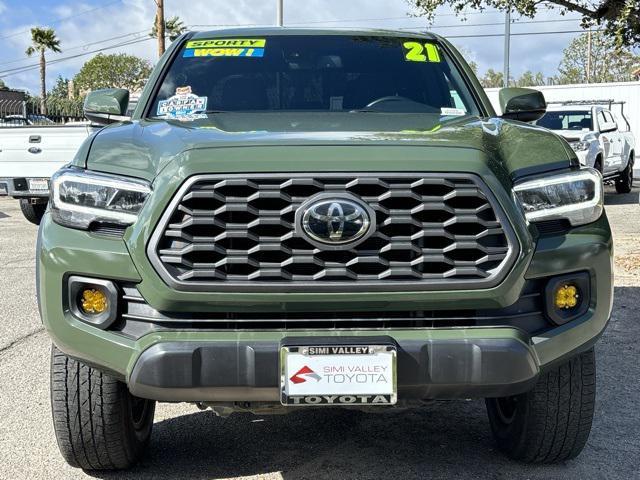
524 104
608 127
107 106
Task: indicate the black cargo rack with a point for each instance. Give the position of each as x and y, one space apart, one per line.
609 102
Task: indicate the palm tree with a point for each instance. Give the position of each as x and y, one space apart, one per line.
43 39
173 28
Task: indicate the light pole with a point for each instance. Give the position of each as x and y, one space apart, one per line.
507 44
160 26
589 56
280 13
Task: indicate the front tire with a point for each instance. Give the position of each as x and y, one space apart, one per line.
32 211
624 183
99 425
598 164
552 422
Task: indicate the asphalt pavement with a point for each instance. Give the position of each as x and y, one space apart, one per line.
439 440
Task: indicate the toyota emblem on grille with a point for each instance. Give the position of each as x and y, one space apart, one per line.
335 221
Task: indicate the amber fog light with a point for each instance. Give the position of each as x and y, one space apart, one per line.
93 300
567 297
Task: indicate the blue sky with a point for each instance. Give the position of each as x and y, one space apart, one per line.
87 25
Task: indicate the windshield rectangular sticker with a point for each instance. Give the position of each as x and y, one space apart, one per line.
182 105
223 52
454 112
225 47
421 52
228 43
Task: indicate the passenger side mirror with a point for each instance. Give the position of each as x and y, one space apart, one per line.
107 106
608 127
524 104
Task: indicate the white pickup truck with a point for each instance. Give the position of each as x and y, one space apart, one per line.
29 155
597 138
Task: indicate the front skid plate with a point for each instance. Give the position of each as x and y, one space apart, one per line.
444 364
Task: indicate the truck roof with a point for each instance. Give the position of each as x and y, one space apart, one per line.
271 31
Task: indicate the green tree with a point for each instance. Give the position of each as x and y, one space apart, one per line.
112 71
43 40
473 66
468 55
60 89
173 28
492 79
529 79
607 63
620 19
60 104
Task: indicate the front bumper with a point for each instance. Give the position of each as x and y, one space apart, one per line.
438 364
232 365
238 364
20 187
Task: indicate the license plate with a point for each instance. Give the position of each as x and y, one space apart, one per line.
338 375
38 184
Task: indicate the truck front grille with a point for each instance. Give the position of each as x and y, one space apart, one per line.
432 231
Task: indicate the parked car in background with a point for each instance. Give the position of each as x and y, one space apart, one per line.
599 142
14 121
30 154
30 119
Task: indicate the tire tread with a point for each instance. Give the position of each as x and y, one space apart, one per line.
554 419
624 181
33 212
88 408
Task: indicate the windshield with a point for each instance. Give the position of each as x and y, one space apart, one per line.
566 120
311 73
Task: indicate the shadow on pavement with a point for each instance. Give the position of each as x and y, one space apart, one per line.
326 443
440 440
613 198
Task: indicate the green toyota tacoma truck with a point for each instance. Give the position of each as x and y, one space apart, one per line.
298 218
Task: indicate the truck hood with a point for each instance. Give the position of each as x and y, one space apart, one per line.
142 148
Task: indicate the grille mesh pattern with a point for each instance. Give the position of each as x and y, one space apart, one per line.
429 229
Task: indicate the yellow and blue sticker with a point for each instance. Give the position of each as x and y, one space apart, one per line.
421 52
225 47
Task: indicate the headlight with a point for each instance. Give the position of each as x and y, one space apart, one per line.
579 146
575 196
80 197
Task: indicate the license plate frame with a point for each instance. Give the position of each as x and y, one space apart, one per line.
375 363
38 184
